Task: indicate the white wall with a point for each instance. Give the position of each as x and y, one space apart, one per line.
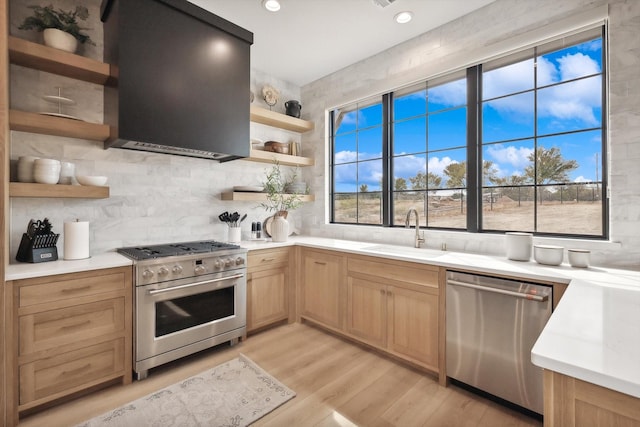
155 198
501 25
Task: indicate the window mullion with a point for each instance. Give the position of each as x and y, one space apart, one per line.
387 168
474 123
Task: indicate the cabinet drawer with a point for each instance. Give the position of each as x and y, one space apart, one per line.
55 328
400 271
267 258
62 374
69 287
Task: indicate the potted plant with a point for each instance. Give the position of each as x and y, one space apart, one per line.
60 28
280 201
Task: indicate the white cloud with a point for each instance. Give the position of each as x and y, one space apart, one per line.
346 156
437 165
572 101
517 157
450 94
582 179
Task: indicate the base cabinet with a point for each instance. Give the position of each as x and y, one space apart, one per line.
395 306
569 402
268 287
322 290
71 332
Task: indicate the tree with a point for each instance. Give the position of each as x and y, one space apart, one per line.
401 184
422 181
489 172
456 174
364 188
547 165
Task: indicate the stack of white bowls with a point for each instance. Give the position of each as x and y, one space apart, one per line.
46 171
25 168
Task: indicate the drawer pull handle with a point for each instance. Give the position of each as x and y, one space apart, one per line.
77 325
68 291
320 263
76 371
268 259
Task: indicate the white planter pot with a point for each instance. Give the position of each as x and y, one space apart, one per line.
60 40
279 229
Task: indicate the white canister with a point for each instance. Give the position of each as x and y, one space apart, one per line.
76 240
25 168
235 234
519 246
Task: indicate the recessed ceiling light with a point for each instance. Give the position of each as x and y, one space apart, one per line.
271 5
403 17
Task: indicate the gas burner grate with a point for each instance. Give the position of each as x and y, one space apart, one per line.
173 249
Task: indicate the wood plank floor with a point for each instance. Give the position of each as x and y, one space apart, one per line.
337 384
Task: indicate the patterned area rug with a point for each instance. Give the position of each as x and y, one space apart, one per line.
235 393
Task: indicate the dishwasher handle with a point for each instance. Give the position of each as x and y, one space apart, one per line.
539 298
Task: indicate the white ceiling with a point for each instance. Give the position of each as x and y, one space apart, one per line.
309 39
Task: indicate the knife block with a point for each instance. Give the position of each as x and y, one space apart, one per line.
39 248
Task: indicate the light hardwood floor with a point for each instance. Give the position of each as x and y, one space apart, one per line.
337 384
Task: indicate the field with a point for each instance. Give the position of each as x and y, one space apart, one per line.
567 217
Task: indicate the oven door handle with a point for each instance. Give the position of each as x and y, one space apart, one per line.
190 285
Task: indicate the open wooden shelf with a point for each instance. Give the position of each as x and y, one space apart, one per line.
282 121
44 58
23 189
58 126
256 197
283 159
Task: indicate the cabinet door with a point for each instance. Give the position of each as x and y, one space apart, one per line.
413 324
322 290
367 311
267 297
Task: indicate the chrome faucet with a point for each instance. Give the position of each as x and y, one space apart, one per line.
407 224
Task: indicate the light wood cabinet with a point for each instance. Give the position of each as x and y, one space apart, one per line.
569 402
394 306
71 332
322 290
268 287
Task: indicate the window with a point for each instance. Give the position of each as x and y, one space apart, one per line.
515 144
357 163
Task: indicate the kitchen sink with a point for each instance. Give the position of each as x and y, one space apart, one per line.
404 250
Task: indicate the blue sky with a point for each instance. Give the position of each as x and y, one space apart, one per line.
560 108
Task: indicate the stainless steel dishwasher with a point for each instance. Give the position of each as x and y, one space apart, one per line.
492 324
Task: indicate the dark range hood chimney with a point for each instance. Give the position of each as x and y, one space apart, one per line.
181 79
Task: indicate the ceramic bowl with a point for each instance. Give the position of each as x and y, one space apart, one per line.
579 257
46 177
548 254
94 180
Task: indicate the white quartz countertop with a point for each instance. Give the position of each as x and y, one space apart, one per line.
95 262
593 335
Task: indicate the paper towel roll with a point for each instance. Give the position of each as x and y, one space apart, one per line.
76 240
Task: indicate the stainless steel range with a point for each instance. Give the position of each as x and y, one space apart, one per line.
188 297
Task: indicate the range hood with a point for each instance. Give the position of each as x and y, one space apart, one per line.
181 79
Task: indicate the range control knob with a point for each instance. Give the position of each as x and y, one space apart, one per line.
177 269
239 260
217 264
147 274
163 271
200 269
228 262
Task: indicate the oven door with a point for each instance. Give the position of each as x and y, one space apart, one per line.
175 314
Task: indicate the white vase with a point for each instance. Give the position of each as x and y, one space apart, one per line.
279 229
60 40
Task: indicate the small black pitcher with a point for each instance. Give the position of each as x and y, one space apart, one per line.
293 108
